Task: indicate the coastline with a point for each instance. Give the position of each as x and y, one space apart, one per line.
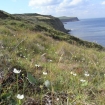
92 30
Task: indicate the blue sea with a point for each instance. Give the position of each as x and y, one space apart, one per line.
92 30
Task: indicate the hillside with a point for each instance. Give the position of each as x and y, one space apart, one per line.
4 14
45 65
68 19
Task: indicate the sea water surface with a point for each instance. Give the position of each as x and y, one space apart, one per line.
92 30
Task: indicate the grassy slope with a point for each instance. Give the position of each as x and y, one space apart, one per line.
24 44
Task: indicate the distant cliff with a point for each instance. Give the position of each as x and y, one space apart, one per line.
68 19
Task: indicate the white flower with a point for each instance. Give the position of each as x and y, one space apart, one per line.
82 80
71 72
2 46
57 99
16 71
44 73
86 74
36 65
50 60
20 97
104 75
74 74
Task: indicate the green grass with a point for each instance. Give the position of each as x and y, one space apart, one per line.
66 60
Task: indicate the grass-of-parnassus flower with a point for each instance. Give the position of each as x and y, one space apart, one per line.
16 71
82 80
44 73
20 97
36 65
87 74
57 99
74 74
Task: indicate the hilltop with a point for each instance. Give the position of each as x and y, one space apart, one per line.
46 65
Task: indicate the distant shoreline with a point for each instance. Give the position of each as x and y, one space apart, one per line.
68 19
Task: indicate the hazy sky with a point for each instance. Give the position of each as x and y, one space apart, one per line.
78 8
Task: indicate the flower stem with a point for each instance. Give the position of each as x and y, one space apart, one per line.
17 83
19 102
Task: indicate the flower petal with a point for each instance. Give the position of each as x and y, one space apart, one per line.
20 96
16 71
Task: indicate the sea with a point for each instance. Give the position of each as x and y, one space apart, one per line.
92 30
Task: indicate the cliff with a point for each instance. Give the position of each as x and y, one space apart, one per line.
50 20
68 19
36 19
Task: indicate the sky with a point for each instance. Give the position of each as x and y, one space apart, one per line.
73 8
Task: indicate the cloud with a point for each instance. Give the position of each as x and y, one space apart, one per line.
103 3
75 2
77 8
38 3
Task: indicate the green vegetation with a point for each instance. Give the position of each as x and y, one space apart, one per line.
65 17
39 65
68 19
